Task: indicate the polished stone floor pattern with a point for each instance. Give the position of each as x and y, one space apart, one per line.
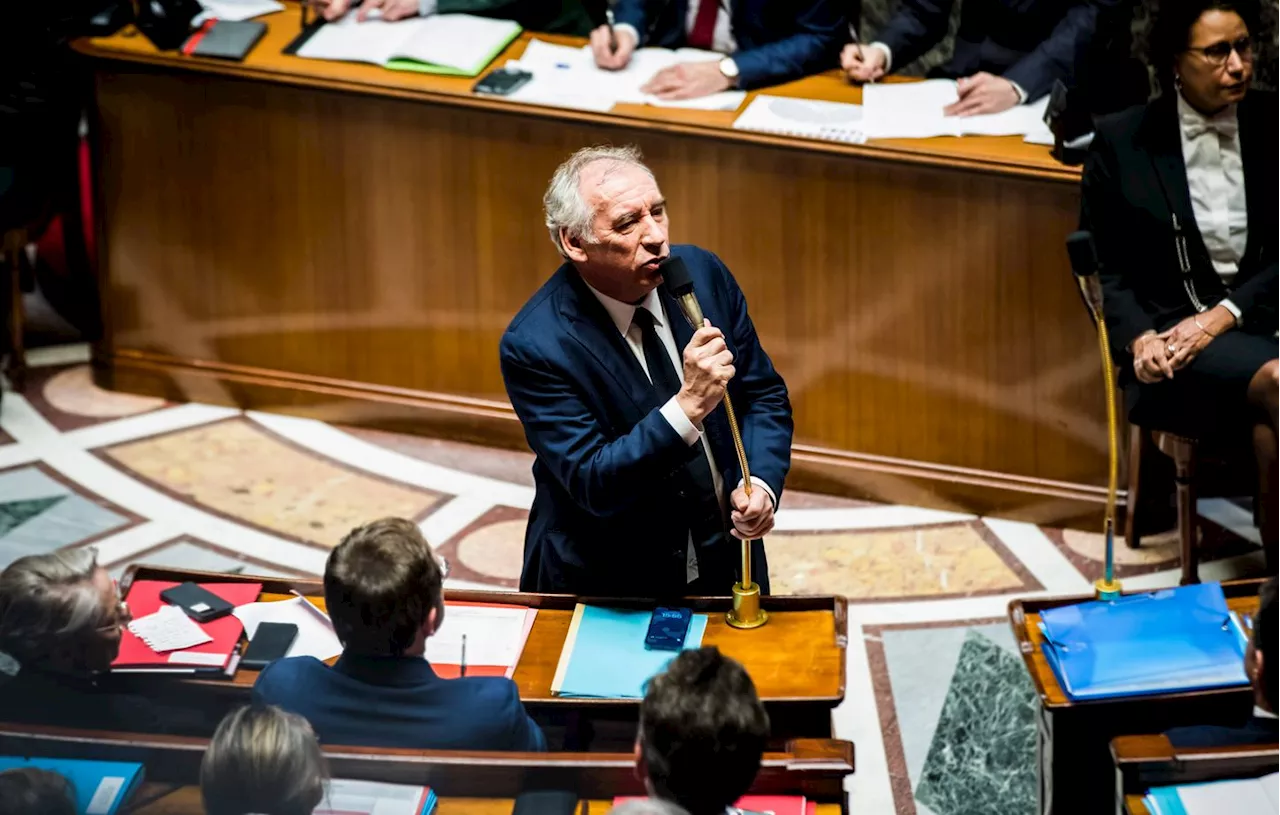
937 701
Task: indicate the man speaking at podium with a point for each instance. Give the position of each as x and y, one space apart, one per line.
639 490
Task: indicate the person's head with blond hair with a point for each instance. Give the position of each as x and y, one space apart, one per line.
59 612
262 761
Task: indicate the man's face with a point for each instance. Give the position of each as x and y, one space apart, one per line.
629 231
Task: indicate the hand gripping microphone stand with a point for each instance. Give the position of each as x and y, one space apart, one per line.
1084 264
746 612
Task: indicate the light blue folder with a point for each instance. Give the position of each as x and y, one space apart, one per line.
100 786
1164 642
607 658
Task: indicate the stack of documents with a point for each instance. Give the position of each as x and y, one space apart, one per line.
101 787
452 44
604 654
567 76
1249 796
1165 642
219 651
913 110
810 118
343 797
315 632
488 637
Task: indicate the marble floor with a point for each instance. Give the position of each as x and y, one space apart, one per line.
937 701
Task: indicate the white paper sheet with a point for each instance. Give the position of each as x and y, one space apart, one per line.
1250 796
495 636
169 629
343 797
236 10
913 110
568 72
315 632
811 118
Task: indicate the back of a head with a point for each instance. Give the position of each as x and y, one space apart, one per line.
262 760
51 613
29 791
1264 642
380 584
702 731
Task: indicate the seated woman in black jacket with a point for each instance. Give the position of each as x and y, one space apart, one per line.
1181 196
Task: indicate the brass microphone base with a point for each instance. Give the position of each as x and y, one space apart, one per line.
746 611
1107 589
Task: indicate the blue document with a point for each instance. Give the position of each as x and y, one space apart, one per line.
100 786
1164 642
606 653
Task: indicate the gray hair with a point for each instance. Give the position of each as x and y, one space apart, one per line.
50 608
564 204
265 760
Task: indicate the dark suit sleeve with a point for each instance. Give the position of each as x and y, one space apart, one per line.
917 26
603 476
759 395
818 33
1259 290
1056 57
1104 212
526 736
632 12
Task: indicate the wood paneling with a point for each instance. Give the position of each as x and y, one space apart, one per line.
285 244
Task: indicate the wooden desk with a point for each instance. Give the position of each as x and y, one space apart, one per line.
1074 737
349 243
1135 805
1143 762
797 661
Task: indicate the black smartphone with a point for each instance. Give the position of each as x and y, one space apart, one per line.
199 603
503 82
667 629
270 642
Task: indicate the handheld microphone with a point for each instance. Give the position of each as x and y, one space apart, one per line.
1084 265
679 284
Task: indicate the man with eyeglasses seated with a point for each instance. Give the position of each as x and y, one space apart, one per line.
60 624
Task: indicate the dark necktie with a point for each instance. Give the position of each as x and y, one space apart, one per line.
703 34
706 520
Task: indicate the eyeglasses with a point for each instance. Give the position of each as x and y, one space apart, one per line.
1218 53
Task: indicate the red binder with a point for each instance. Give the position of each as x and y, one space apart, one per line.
144 599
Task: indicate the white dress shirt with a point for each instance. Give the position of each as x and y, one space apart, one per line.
1215 178
721 40
623 316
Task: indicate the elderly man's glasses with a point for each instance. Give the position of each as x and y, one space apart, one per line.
1218 53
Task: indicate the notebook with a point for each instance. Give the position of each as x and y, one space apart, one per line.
346 797
809 118
101 787
225 39
913 110
144 599
1165 641
451 44
604 654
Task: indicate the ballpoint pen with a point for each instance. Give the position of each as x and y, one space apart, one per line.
462 667
613 37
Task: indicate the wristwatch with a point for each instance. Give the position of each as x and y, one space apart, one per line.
730 70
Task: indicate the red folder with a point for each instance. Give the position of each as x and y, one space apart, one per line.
144 599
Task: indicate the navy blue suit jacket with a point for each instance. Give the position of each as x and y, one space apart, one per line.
399 702
606 516
778 40
1258 730
1030 42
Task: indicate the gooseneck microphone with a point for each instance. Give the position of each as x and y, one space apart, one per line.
746 612
1084 265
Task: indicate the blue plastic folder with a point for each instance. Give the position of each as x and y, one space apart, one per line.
1164 642
101 787
604 655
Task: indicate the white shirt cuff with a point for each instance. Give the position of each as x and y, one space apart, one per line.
1022 95
888 55
1234 309
759 482
635 35
427 7
679 422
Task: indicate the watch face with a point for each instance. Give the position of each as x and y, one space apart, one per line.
729 68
